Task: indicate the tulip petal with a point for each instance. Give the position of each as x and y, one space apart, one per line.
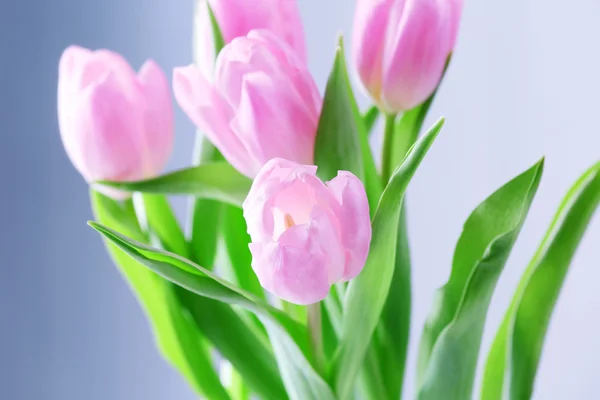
109 131
282 17
354 220
158 115
275 177
272 121
208 110
368 42
327 232
293 269
417 48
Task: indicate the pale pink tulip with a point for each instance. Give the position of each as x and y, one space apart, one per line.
115 125
400 48
263 103
238 17
306 235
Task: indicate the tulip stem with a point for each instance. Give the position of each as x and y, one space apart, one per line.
316 334
388 148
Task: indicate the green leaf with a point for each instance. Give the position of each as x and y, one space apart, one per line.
394 329
204 214
201 281
342 139
164 224
363 304
337 145
177 337
370 118
246 349
217 181
452 335
513 359
407 130
241 344
237 240
301 380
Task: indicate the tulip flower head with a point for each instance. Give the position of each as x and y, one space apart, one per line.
263 104
400 48
238 17
306 235
115 124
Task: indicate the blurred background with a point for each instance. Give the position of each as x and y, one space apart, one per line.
523 83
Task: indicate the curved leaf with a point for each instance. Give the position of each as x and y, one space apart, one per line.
201 281
452 335
367 293
513 360
301 380
178 339
218 181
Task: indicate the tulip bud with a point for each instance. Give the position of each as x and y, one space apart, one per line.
263 104
238 17
400 48
115 125
306 235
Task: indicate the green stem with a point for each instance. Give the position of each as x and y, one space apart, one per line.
388 148
316 334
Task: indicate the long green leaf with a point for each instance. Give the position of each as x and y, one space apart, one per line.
164 224
452 335
237 240
366 295
231 336
514 356
201 281
177 337
217 181
337 145
241 344
301 380
342 138
393 331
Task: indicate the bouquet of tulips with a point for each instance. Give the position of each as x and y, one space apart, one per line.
293 279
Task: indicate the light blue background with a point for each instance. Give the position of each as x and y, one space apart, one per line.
523 84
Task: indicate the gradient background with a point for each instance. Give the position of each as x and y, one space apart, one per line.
523 84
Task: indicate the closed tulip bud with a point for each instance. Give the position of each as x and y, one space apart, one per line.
306 235
115 124
238 17
263 103
400 48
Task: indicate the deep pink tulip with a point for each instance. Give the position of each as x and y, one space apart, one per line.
400 48
238 17
115 124
306 235
263 103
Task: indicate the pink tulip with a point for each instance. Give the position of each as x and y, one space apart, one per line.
263 104
115 125
238 17
401 46
306 235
